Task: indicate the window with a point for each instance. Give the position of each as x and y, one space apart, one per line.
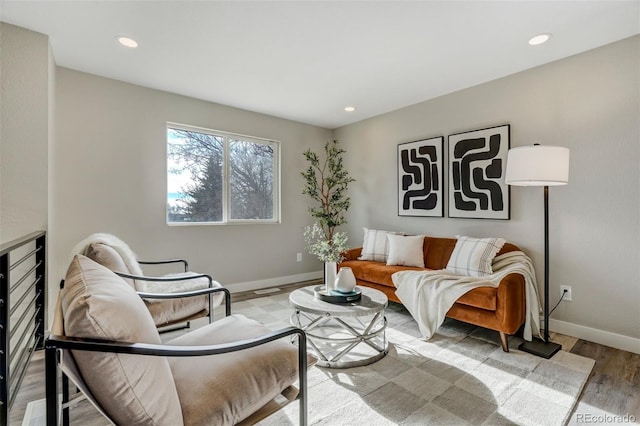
218 177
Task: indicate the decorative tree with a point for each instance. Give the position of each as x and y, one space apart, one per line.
327 184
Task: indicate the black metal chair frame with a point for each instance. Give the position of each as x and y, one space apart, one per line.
54 343
162 262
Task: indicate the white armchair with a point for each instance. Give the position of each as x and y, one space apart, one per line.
229 372
171 298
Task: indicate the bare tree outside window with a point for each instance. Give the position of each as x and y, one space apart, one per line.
196 185
251 180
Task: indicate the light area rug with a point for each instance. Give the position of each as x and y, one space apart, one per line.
460 376
34 415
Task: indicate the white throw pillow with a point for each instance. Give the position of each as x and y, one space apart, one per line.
375 246
406 250
474 256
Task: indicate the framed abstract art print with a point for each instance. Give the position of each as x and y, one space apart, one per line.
477 164
420 178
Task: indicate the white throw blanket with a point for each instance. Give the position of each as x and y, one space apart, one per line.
428 295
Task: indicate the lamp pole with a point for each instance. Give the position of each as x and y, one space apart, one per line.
546 348
546 264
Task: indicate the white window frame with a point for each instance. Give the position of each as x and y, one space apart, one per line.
226 196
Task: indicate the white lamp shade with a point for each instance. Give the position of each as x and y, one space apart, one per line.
537 165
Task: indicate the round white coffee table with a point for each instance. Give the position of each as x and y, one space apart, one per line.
343 335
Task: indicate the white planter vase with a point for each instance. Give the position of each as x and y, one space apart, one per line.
345 281
330 275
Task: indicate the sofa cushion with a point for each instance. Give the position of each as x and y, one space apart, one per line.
437 252
225 389
406 250
474 256
375 246
376 272
132 389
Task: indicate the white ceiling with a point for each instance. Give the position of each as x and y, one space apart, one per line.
307 60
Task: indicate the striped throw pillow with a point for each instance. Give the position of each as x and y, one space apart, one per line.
474 256
375 246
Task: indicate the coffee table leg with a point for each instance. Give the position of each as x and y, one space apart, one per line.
315 347
366 332
313 322
365 336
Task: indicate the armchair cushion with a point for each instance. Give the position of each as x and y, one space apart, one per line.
175 286
131 389
170 311
108 257
225 389
166 312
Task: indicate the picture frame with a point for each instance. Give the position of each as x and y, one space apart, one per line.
477 167
420 178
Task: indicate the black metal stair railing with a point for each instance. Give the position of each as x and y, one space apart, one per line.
23 287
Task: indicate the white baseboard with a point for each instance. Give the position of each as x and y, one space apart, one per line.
602 337
273 282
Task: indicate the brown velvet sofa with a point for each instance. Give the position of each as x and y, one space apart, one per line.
501 309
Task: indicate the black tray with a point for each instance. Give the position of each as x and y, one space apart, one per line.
336 297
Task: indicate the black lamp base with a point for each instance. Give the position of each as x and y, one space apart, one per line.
540 348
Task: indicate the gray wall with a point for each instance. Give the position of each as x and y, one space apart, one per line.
589 103
110 176
25 109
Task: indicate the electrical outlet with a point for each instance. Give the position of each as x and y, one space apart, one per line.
298 257
566 296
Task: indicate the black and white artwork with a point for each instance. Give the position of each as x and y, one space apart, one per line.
477 164
420 178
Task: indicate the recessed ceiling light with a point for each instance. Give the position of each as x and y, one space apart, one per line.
127 41
539 39
349 109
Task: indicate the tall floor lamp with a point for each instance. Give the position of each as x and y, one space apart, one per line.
537 165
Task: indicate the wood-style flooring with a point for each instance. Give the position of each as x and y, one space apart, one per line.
613 388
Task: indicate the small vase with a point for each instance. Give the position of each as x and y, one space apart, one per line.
329 275
345 281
